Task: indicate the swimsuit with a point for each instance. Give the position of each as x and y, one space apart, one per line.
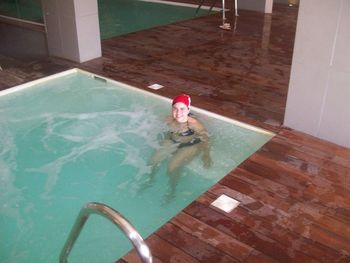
189 132
190 143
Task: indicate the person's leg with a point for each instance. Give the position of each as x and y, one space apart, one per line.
181 157
164 151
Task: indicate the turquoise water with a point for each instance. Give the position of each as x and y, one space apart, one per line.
119 17
116 17
24 9
74 139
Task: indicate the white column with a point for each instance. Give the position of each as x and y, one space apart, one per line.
318 96
73 29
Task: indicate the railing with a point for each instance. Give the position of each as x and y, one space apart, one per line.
236 8
116 218
210 8
35 26
223 7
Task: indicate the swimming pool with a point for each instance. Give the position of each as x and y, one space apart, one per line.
119 17
28 9
116 17
73 138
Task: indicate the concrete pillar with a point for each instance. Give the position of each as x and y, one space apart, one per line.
73 30
264 6
318 95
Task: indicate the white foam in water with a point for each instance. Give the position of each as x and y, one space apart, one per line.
72 140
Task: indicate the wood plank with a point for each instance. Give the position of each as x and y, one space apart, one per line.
209 234
165 252
276 226
258 257
298 218
238 231
193 246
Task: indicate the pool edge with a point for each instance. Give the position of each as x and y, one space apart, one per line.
85 72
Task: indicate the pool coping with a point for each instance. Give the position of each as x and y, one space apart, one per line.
205 7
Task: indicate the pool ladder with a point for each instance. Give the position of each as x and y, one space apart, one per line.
213 4
116 218
202 2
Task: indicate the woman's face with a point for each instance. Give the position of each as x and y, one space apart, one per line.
180 112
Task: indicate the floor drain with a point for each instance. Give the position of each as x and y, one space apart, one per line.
225 203
156 86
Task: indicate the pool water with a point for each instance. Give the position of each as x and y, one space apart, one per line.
72 139
119 17
23 9
116 17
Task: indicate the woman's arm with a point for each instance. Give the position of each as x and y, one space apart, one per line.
199 128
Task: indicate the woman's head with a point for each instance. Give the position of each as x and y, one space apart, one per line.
181 107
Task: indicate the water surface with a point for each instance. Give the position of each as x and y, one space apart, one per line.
74 139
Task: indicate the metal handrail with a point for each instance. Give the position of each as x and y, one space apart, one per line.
210 8
116 218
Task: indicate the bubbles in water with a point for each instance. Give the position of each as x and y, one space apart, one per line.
10 195
62 145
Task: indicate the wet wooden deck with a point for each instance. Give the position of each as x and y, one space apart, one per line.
294 192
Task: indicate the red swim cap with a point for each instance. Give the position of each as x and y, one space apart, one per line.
185 99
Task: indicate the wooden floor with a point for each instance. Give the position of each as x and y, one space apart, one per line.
294 192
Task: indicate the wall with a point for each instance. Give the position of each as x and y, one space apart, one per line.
72 29
22 43
319 90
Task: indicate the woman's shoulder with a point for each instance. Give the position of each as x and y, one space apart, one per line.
192 120
195 124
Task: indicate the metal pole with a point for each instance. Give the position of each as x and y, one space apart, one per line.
225 26
236 8
116 218
223 12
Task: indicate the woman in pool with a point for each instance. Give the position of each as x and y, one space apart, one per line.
186 139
